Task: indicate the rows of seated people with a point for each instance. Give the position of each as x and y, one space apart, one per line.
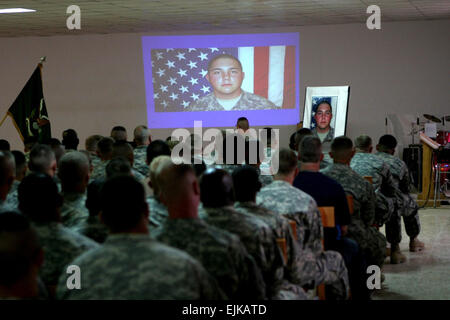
130 220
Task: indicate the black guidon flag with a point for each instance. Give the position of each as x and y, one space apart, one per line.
29 112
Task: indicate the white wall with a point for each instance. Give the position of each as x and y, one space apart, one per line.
92 83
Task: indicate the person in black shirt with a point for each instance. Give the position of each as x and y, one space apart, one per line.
329 193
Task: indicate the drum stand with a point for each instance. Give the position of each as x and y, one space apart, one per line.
438 188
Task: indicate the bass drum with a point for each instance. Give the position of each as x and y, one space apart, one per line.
443 137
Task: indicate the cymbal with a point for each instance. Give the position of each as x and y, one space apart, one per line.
432 118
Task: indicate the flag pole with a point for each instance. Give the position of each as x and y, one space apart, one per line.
4 118
41 63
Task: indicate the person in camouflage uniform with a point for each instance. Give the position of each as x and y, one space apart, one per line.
43 160
91 146
92 227
130 265
125 150
241 155
7 176
225 76
406 206
99 170
157 148
283 199
104 151
70 140
361 227
298 137
216 193
158 211
119 133
367 164
142 139
246 185
118 166
329 193
11 199
21 170
74 175
222 254
40 201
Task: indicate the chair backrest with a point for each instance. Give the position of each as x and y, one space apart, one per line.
350 204
328 219
293 225
369 178
327 215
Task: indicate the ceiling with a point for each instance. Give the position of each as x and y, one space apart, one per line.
156 16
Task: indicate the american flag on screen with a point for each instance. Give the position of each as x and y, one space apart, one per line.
178 75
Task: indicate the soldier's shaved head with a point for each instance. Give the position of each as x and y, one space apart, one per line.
216 188
287 162
310 150
157 148
342 149
363 143
387 143
123 149
246 183
42 159
179 190
92 141
39 199
105 147
74 172
118 166
141 135
119 133
123 204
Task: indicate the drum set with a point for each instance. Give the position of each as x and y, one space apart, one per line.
443 136
441 162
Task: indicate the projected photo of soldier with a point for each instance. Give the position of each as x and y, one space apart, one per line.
225 76
204 78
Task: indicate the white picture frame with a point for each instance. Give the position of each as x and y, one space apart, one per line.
337 96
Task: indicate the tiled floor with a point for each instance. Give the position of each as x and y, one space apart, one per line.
425 275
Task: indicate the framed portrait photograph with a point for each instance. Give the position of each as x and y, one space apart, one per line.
325 111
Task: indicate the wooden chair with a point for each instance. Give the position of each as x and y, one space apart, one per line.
369 178
350 204
328 221
282 244
327 215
